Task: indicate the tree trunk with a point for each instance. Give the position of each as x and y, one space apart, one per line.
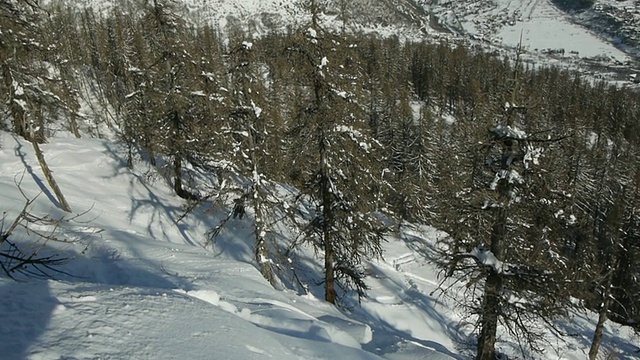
602 319
15 106
48 175
73 124
261 250
493 286
327 222
263 261
329 271
177 179
327 215
489 317
177 158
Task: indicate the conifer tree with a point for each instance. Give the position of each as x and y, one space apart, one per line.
26 84
336 167
163 108
246 134
502 241
608 198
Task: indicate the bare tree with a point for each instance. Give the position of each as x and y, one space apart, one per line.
25 247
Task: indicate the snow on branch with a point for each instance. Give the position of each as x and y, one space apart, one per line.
481 256
509 132
485 257
354 135
512 176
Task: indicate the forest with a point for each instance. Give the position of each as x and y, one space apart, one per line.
533 171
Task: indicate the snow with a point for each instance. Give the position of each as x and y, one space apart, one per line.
532 156
324 62
145 287
142 286
416 110
512 176
539 26
502 131
486 257
256 109
21 103
17 89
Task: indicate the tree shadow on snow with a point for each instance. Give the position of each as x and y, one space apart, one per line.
236 240
386 337
309 274
102 265
418 244
163 215
165 223
582 333
26 311
22 155
28 304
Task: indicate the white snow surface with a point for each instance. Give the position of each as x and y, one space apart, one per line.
142 286
546 34
538 25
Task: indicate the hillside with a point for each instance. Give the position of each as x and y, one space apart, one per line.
138 285
600 39
238 190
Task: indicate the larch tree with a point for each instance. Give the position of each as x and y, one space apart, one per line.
246 135
336 169
163 102
614 243
27 81
503 244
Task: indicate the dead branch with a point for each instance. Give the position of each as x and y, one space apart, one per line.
18 258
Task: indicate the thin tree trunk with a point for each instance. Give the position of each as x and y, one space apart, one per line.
177 179
64 205
602 319
489 322
329 271
492 290
327 222
17 110
261 251
177 159
73 125
327 215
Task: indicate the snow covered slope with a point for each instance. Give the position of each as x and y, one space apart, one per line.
261 16
603 40
542 25
600 41
141 286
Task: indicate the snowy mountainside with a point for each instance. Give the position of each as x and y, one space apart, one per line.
261 16
139 285
602 40
549 34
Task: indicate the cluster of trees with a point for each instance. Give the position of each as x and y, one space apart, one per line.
533 172
576 5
